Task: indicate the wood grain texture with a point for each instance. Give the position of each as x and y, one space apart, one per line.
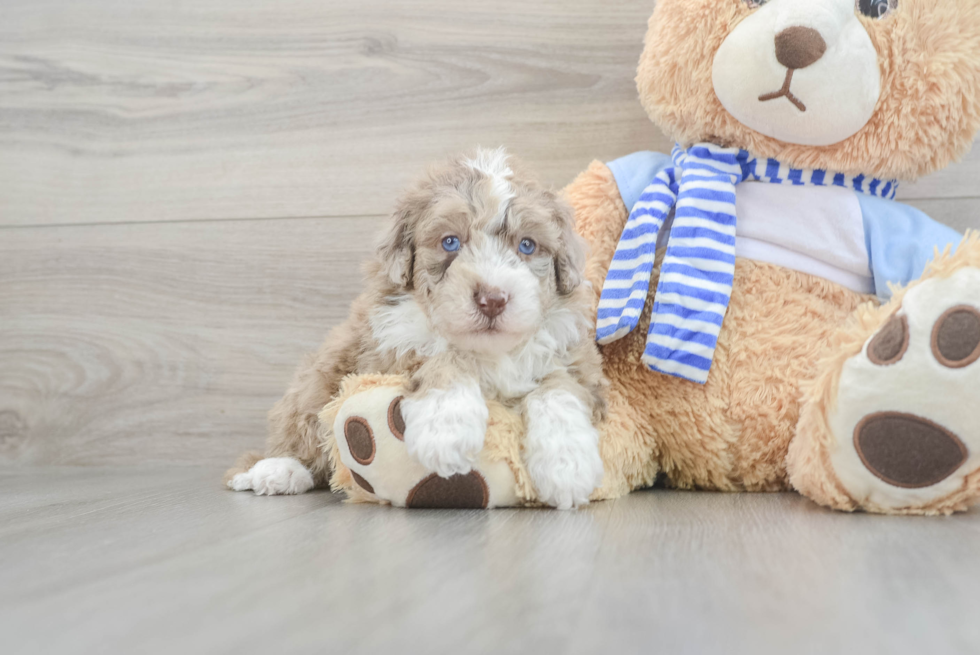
959 180
158 282
128 343
961 214
148 111
186 193
777 574
160 560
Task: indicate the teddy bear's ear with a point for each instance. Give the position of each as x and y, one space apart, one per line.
396 252
572 250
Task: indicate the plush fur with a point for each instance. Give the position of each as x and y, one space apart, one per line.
809 456
926 117
787 335
475 294
732 433
769 416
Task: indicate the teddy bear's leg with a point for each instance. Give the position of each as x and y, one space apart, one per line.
368 430
892 424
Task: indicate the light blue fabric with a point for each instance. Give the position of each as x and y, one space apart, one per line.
699 187
634 172
901 240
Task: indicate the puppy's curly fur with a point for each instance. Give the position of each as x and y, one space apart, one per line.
475 292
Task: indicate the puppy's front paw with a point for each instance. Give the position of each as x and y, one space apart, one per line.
444 429
562 450
274 476
566 474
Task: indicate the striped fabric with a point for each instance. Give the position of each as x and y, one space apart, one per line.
698 269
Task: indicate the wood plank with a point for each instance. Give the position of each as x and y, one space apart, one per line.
56 518
961 214
159 560
740 573
148 111
138 343
144 111
133 343
155 576
959 180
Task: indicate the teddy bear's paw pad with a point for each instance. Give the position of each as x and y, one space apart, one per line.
890 344
468 491
956 337
369 429
906 430
360 440
396 421
907 451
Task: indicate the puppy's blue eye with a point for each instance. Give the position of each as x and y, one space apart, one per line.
450 244
527 247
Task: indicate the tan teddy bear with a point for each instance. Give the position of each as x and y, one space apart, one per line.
790 331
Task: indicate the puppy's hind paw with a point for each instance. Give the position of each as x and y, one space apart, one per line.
274 476
445 429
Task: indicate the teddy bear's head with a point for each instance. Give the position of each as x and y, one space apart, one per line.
889 88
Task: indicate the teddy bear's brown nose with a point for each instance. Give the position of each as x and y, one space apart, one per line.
799 47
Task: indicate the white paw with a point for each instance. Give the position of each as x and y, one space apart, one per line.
562 449
444 429
274 476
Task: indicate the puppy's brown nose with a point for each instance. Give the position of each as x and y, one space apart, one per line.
491 301
799 47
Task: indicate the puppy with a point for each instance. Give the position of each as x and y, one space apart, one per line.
475 293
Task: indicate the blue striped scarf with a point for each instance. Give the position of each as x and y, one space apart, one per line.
699 267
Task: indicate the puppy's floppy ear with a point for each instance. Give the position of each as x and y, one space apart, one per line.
396 252
572 250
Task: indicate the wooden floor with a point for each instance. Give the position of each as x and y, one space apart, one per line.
160 560
187 190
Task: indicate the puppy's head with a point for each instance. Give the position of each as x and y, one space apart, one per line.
485 252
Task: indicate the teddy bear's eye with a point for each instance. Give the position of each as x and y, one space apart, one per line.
876 8
753 4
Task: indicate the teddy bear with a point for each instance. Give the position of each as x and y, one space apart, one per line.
769 317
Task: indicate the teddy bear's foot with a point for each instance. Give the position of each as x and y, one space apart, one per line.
369 430
903 430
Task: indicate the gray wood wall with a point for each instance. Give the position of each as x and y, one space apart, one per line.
187 188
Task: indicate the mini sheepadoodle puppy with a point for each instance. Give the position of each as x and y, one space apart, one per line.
476 293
